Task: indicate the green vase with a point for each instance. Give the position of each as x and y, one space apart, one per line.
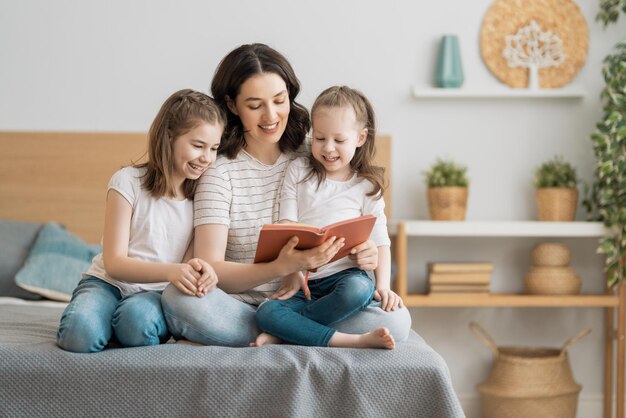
449 72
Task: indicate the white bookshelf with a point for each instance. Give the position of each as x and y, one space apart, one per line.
499 229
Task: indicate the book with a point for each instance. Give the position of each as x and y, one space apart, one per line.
459 288
460 267
459 278
273 237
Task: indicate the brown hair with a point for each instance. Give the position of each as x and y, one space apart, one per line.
362 162
237 67
181 112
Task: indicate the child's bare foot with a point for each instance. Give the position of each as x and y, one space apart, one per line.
265 338
379 338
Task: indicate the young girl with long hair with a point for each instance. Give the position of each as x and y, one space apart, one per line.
148 233
338 181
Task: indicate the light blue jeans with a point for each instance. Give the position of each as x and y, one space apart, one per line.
97 312
219 319
308 322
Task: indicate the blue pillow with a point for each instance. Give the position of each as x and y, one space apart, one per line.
16 239
55 263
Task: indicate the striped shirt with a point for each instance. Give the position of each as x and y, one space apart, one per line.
242 194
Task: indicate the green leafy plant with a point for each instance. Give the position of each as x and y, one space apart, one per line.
607 200
609 11
556 173
446 173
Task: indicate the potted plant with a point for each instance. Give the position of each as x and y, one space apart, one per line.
447 190
607 200
556 193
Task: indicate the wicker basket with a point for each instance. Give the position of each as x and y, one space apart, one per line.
528 382
551 254
552 281
556 204
447 203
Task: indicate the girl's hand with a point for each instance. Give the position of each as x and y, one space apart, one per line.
184 277
389 300
292 260
365 255
289 286
208 280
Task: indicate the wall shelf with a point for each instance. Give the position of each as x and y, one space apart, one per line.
511 301
499 92
536 229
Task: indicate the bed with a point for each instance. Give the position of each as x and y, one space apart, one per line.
62 177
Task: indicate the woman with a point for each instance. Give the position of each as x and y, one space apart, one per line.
265 130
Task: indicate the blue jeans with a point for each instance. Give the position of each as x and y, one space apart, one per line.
97 312
219 319
307 322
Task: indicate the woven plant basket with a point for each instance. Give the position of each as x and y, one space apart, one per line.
447 203
528 382
551 254
552 281
556 204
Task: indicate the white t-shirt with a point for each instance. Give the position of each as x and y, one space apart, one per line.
242 194
334 201
160 229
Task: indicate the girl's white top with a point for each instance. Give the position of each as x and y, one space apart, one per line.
333 201
160 229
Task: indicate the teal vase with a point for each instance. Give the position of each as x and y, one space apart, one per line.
449 72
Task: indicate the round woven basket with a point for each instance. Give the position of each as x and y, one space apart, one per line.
551 254
528 382
447 203
556 204
552 281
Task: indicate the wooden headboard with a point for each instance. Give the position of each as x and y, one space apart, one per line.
62 176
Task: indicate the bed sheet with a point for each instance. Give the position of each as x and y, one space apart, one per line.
40 379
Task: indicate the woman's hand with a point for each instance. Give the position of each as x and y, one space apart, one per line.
289 286
389 300
365 255
291 260
208 280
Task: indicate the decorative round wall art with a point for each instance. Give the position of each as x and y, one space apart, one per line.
534 43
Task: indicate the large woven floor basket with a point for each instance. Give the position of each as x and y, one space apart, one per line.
528 382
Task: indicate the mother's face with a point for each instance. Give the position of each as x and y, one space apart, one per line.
263 107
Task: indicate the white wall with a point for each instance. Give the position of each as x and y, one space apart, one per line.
107 66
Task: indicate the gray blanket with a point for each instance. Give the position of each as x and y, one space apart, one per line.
37 379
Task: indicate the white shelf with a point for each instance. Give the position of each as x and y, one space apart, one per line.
499 92
500 229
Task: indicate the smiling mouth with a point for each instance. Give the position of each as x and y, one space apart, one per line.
269 127
197 167
331 159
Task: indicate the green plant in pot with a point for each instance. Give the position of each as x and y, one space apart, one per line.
607 200
447 190
556 193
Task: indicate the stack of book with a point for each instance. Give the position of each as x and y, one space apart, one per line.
448 278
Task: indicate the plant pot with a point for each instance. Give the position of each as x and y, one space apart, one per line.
556 204
447 203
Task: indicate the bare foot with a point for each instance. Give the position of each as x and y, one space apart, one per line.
379 338
265 338
187 342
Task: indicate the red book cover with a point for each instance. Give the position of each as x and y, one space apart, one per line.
273 237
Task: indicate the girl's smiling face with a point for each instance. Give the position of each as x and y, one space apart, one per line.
336 136
263 107
194 151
